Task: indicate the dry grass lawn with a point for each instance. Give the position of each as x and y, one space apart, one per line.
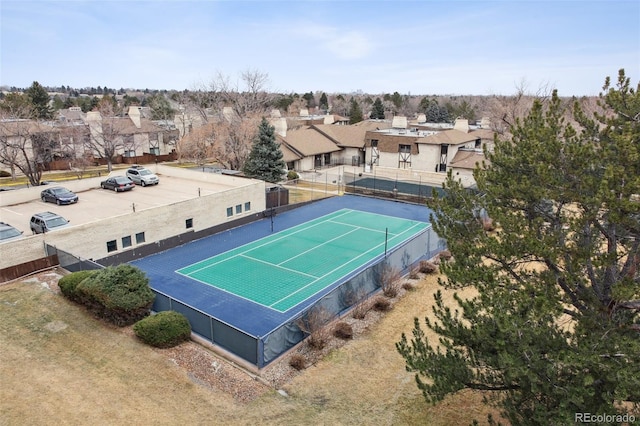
58 365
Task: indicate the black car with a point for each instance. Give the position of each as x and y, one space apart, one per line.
58 195
117 183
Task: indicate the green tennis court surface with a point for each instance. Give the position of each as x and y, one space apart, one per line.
286 268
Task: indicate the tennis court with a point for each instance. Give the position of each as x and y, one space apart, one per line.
284 269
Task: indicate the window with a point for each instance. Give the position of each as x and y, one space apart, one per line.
140 237
126 241
239 209
374 143
405 149
112 246
229 211
154 151
129 153
247 206
188 223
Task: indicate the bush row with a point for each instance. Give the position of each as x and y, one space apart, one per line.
121 295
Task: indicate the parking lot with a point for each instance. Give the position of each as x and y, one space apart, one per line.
100 203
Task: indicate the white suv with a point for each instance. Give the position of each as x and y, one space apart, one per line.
141 176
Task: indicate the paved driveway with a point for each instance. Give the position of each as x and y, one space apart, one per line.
101 203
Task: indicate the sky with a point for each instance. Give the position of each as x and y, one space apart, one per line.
376 47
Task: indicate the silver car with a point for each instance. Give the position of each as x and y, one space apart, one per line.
8 232
141 176
46 221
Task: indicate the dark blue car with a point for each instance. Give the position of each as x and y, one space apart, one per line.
58 195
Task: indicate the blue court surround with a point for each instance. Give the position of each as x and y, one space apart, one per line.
249 317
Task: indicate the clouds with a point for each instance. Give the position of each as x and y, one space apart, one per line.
413 47
340 43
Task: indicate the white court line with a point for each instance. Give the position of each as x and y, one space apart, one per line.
362 227
320 245
258 246
277 266
344 264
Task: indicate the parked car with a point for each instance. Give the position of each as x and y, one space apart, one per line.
141 176
58 195
118 183
46 221
8 232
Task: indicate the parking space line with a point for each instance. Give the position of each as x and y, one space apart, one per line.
12 211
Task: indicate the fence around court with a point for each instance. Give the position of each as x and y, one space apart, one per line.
357 289
71 262
337 181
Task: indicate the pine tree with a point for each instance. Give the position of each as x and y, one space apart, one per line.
265 159
40 100
355 112
377 111
554 328
324 102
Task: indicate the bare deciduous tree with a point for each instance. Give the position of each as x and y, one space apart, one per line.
24 145
106 136
232 140
197 146
504 110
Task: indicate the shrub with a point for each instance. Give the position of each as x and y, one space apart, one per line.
163 330
297 361
4 173
408 286
389 280
414 272
314 323
360 310
343 330
69 284
427 267
381 304
120 295
445 255
292 175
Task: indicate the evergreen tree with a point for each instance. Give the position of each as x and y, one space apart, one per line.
377 112
355 112
265 159
324 102
554 328
397 100
40 101
160 107
310 99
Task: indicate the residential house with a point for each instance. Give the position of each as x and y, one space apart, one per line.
311 149
425 149
320 145
136 135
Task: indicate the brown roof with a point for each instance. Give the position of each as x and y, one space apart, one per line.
124 125
308 141
347 136
467 159
288 153
449 137
24 127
